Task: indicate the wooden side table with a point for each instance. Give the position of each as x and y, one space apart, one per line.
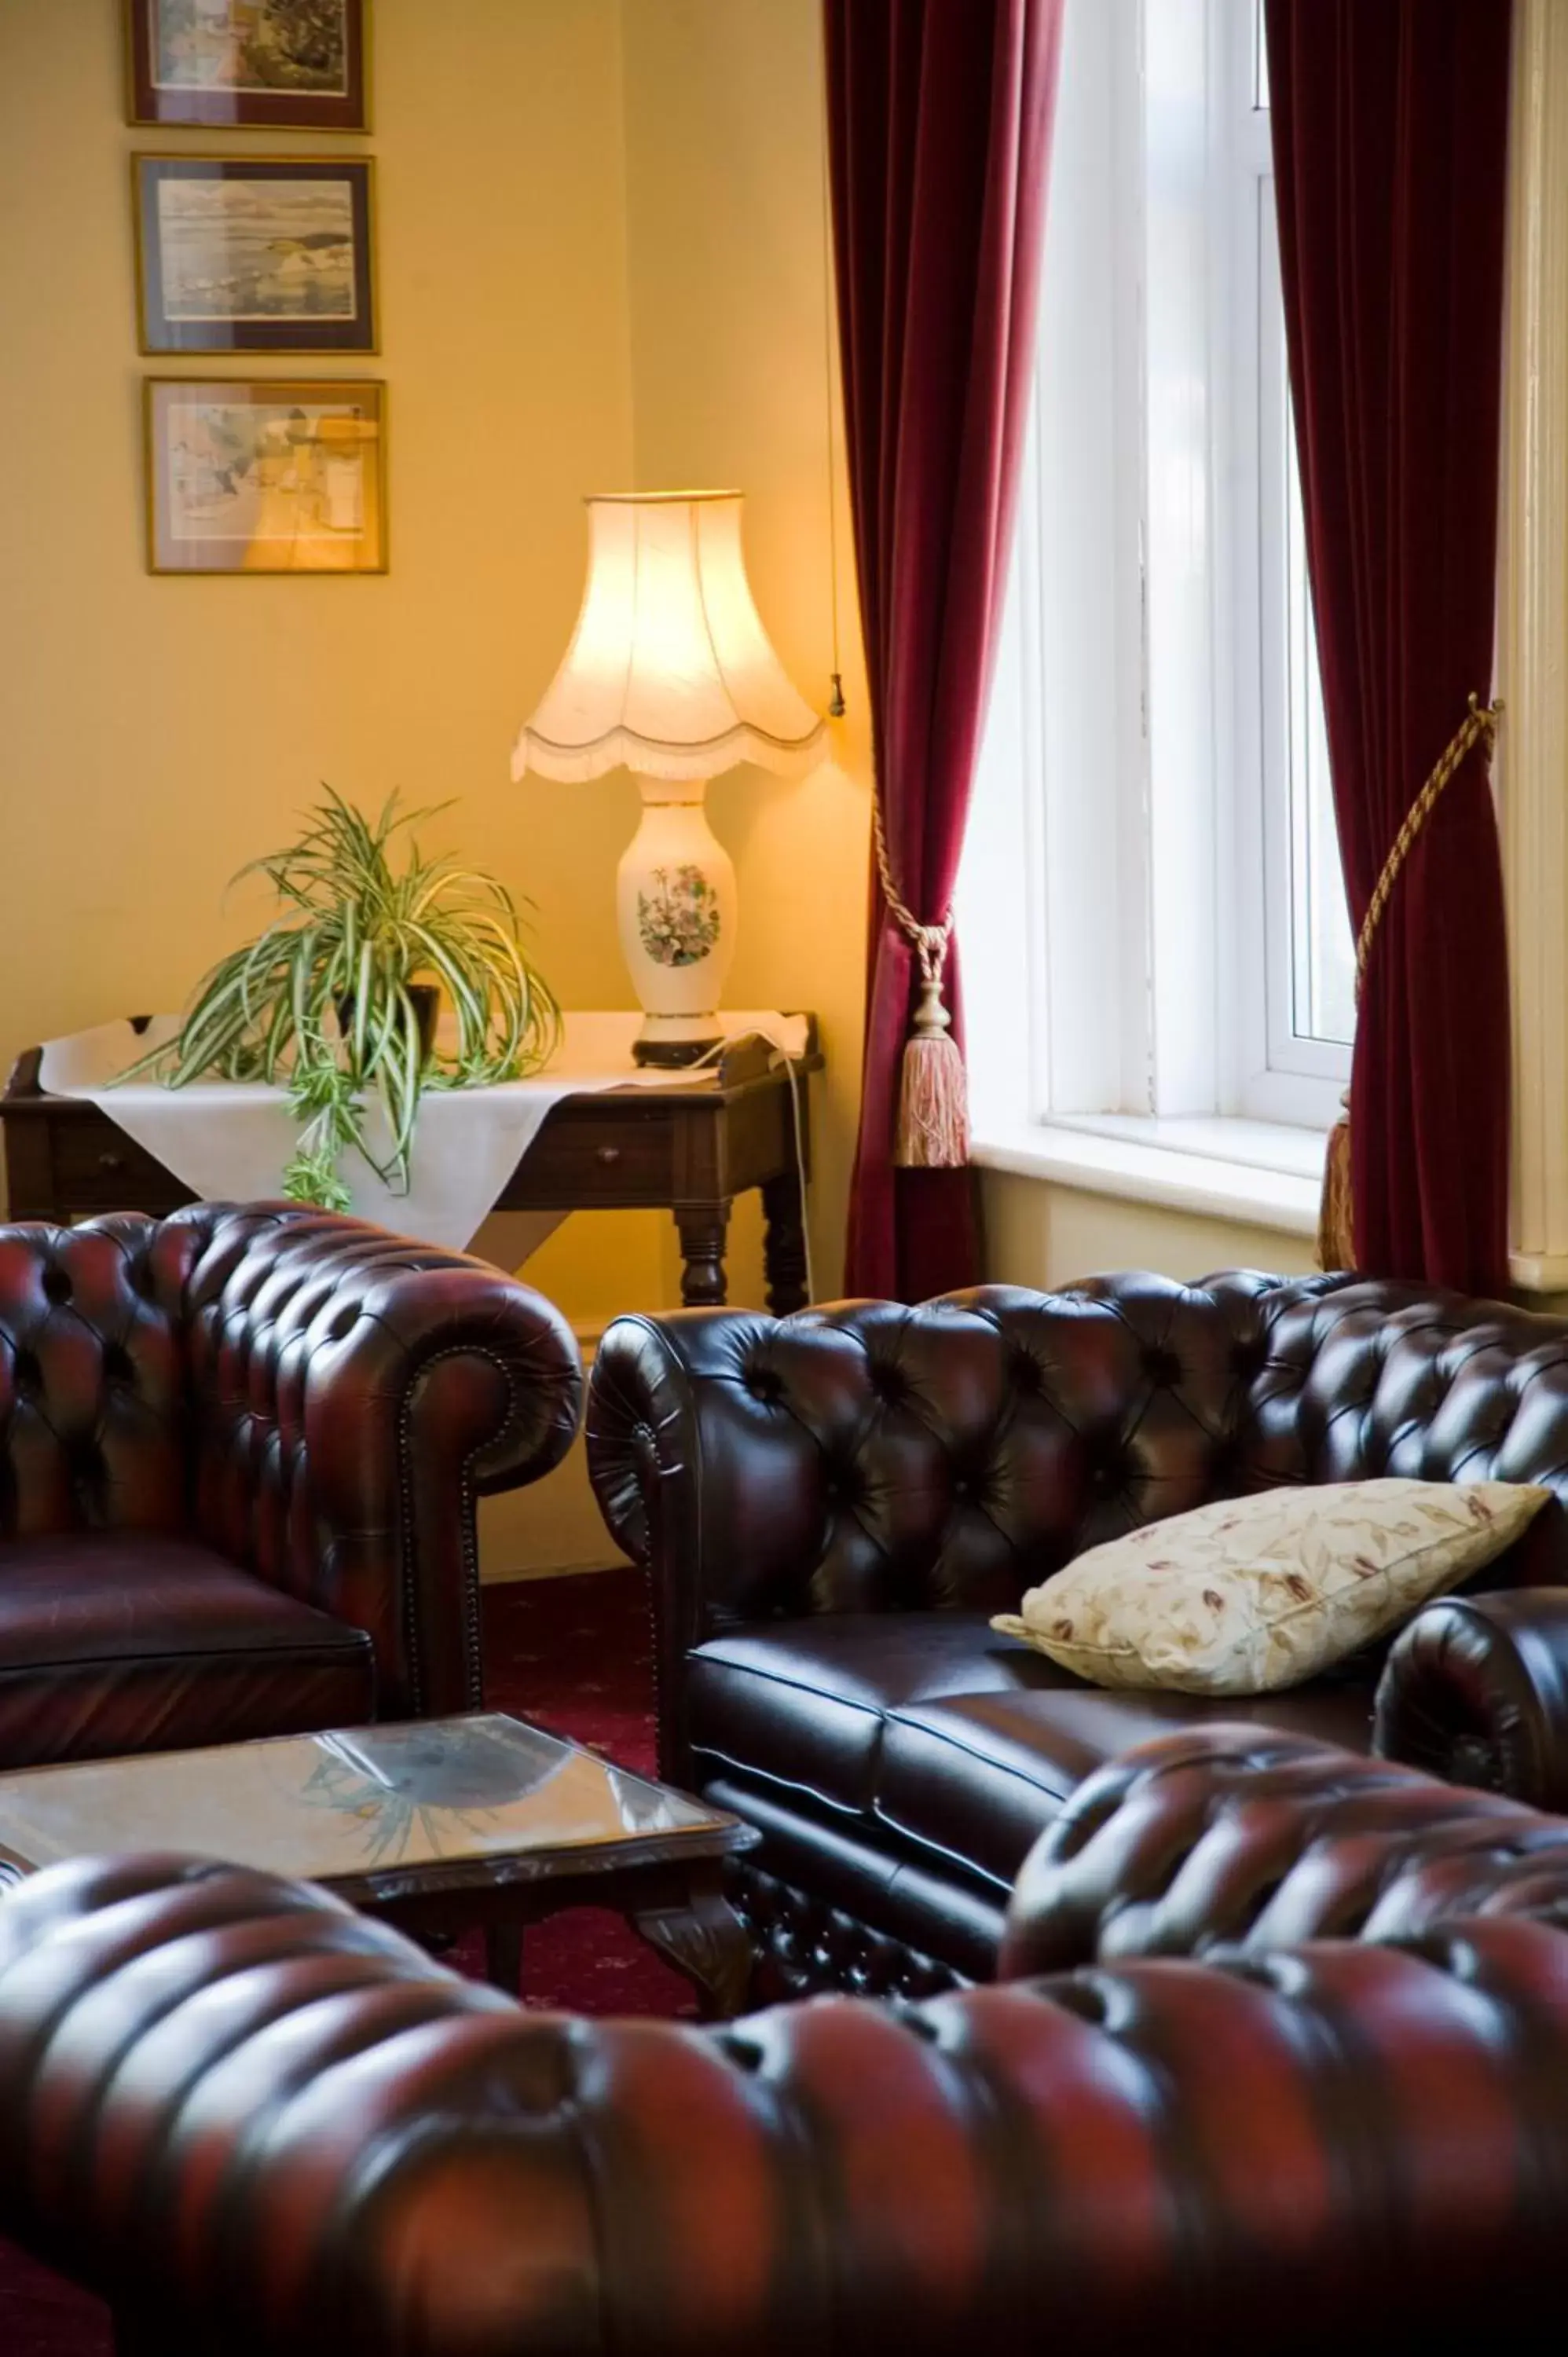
690 1151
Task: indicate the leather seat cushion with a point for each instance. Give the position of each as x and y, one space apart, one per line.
946 1738
983 1775
120 1641
803 1703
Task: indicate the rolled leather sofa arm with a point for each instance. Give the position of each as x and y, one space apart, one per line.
693 1475
721 1446
1475 1690
1229 1837
356 1391
259 2126
703 1486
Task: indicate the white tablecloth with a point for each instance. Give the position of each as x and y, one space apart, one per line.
228 1141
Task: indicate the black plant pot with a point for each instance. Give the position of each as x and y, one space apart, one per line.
426 998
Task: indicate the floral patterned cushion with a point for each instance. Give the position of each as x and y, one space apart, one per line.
1247 1595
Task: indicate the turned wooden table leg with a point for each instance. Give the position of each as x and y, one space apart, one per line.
503 1957
703 1229
784 1244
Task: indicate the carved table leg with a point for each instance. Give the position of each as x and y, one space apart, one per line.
702 1229
707 1943
784 1244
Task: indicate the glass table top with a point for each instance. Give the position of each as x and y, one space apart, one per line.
364 1802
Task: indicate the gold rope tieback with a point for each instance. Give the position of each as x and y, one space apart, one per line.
932 1129
1336 1220
1481 721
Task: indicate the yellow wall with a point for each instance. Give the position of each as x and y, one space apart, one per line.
1040 1233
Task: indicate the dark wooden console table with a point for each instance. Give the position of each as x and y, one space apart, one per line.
689 1150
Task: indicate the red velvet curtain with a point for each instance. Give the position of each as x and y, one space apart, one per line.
940 115
1390 136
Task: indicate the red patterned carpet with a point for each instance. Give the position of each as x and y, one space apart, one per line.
573 1654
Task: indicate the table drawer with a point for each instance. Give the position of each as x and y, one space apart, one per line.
594 1157
97 1167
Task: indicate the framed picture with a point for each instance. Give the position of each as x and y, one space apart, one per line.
270 256
266 476
296 65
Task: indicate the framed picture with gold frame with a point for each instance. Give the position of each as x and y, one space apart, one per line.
278 65
265 254
265 475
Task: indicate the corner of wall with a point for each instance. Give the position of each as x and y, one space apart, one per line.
731 354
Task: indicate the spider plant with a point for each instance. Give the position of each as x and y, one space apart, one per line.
323 1002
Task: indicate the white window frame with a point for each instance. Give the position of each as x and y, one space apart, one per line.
1281 1074
1126 844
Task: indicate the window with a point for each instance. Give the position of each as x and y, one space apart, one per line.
1153 841
1309 960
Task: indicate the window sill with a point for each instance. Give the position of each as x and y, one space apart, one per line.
1259 1173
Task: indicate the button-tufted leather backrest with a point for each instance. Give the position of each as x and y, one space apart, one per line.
154 1374
93 1376
145 1369
1363 1380
871 1457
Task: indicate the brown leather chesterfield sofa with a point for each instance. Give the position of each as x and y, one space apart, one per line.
830 1506
239 1455
265 2127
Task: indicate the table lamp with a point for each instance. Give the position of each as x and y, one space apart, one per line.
670 673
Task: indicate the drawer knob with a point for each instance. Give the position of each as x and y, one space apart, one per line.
608 1154
110 1161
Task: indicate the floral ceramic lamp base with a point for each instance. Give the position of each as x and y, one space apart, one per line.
675 894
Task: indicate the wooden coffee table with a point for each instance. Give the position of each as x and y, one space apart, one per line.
439 1825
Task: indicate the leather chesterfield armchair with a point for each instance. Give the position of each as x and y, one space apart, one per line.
262 2126
239 1455
830 1506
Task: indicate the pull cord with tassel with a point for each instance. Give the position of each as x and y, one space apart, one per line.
1336 1221
932 1130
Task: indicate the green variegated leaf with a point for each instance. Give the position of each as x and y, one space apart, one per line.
353 924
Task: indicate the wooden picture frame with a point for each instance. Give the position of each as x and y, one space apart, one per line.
270 255
294 65
266 476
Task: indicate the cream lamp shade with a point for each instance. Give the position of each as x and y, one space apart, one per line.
670 673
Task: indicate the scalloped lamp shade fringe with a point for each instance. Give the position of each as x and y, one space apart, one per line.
670 671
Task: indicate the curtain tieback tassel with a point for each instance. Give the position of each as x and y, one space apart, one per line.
1336 1220
933 1093
932 1128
